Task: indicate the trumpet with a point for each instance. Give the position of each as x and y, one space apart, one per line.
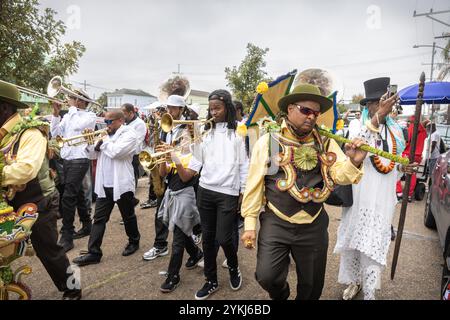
167 122
150 160
89 138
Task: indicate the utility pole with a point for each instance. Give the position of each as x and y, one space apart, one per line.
432 60
429 15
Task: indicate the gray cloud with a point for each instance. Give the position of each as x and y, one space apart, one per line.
137 44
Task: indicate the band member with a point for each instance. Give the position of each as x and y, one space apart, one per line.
364 234
75 165
175 107
292 171
114 183
223 162
26 170
179 211
132 120
155 182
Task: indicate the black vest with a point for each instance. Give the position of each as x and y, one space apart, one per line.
283 201
36 189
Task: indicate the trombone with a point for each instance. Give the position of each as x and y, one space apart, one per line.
167 122
89 138
37 94
55 87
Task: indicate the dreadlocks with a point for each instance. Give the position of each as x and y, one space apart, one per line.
225 97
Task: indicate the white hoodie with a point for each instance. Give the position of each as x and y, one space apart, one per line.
223 161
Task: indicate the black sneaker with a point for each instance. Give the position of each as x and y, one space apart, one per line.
170 284
193 261
235 278
209 288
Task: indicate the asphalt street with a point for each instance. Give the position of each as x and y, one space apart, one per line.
117 277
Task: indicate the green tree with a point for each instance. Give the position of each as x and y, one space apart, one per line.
244 79
103 99
31 51
357 98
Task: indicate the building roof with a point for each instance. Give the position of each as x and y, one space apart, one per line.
199 93
132 92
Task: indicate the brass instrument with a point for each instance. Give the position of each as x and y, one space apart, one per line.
150 161
156 180
55 87
89 138
37 94
167 122
176 84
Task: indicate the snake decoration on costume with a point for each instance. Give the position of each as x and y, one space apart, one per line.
305 158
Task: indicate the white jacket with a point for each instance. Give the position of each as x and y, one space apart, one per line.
115 157
223 161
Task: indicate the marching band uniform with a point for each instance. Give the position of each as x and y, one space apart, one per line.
76 165
114 183
294 221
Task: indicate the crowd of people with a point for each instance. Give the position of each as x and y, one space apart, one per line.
202 187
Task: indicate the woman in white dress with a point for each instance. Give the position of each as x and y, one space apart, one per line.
364 233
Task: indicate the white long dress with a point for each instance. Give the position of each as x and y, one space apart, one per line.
364 234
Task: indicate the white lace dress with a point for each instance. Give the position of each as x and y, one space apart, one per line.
364 233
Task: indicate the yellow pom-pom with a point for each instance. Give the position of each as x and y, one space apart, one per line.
340 124
241 130
263 87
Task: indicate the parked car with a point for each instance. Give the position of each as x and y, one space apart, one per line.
437 213
444 132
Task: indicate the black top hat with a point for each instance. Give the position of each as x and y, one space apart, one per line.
375 88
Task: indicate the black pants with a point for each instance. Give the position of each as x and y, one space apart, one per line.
151 193
135 164
103 209
180 242
217 215
74 197
161 230
44 238
308 245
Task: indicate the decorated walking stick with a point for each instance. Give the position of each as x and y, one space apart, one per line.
404 161
412 152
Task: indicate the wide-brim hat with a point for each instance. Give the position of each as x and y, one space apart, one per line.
10 94
305 92
375 89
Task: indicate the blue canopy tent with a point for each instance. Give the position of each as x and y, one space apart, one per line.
437 92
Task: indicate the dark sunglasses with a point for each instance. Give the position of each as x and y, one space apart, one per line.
307 111
108 121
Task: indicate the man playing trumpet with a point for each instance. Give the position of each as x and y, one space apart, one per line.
114 183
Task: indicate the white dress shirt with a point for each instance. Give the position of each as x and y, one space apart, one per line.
222 158
114 168
141 131
73 123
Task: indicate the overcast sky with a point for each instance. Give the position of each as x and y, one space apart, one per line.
137 44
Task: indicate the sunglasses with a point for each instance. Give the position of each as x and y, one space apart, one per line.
307 111
109 122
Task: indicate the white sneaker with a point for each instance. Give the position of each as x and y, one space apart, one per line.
225 264
197 239
351 291
154 253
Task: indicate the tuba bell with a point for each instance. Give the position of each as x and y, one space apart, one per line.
176 84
